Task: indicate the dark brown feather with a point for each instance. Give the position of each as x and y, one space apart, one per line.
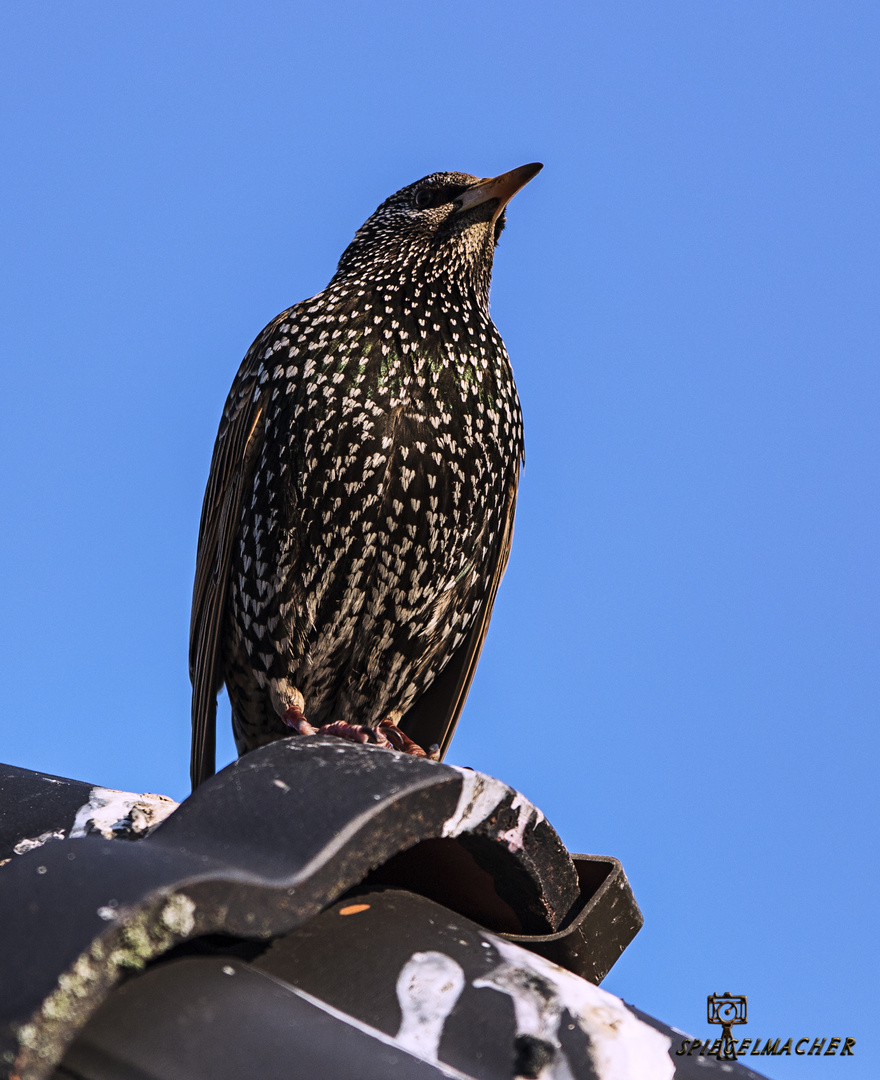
235 453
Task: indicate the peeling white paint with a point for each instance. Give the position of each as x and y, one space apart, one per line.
479 796
30 843
536 1006
121 813
528 814
429 985
622 1047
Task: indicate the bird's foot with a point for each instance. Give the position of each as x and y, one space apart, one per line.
358 733
387 734
398 740
294 718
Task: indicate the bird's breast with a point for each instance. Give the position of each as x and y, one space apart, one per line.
384 464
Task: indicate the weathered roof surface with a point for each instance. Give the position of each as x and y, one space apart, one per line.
355 911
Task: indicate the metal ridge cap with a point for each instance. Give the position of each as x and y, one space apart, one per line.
326 811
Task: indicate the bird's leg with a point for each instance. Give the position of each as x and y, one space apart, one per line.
289 703
293 717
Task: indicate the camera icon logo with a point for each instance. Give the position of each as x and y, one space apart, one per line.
727 1009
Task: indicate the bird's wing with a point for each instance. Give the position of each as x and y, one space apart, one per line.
239 441
432 718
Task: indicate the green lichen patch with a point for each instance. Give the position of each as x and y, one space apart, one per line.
135 940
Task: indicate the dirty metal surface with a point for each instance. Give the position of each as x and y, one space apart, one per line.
38 809
202 1018
428 986
33 805
481 1004
382 983
696 1067
254 853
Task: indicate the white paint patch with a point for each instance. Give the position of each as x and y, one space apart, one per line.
374 1033
428 987
29 843
622 1047
480 796
528 814
536 1006
121 814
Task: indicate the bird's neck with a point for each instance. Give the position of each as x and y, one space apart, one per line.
447 284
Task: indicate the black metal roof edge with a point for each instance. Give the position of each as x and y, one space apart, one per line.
38 808
586 944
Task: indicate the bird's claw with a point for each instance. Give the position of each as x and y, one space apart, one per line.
396 738
353 732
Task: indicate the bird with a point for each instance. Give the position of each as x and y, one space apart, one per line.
358 514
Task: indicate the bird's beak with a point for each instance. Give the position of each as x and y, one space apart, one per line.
503 188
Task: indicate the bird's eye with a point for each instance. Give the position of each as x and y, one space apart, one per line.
437 196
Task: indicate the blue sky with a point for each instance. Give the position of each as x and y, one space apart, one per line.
682 666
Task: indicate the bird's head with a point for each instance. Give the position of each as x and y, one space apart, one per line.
445 225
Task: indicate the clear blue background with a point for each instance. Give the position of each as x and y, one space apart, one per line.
682 666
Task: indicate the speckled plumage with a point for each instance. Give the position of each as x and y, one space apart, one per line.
359 508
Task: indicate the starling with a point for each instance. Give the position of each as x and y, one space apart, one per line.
359 509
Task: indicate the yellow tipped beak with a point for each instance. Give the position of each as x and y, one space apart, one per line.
503 188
